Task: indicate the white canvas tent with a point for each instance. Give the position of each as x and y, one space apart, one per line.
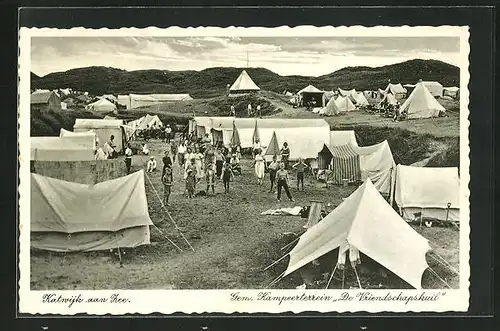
344 104
104 129
311 93
67 216
339 138
377 163
330 109
364 222
101 105
86 138
388 99
361 100
451 91
61 149
243 84
427 191
305 137
421 104
434 88
396 89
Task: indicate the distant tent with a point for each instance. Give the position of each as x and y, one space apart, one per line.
61 149
361 100
347 93
389 99
102 105
311 94
243 84
329 95
150 122
235 137
451 91
396 89
381 94
434 88
366 223
273 147
421 104
344 104
427 191
330 109
86 138
377 163
67 216
124 100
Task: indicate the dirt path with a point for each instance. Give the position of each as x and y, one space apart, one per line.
435 148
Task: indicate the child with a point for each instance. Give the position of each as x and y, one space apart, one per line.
190 182
151 164
273 168
300 166
282 182
210 177
167 180
227 176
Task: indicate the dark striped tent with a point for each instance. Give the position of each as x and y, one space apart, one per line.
345 163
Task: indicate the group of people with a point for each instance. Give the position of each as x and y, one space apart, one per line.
250 111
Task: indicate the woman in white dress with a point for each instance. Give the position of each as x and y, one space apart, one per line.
260 166
198 162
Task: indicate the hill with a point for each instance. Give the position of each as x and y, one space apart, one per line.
212 82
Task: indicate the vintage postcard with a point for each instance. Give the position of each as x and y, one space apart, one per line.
250 170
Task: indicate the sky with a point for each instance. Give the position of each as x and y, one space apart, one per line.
308 56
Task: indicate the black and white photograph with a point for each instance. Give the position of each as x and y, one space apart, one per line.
268 169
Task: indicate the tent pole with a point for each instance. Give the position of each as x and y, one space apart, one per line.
331 277
277 279
278 260
120 257
441 279
343 276
290 243
357 277
443 261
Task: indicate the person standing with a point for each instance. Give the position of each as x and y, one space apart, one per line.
233 111
151 166
273 168
128 158
173 150
209 157
282 182
227 176
219 162
190 178
210 177
181 152
285 154
167 161
260 165
168 132
249 110
300 166
198 161
167 179
258 111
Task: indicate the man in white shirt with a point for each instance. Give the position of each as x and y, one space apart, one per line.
151 164
249 109
145 149
168 132
258 110
128 158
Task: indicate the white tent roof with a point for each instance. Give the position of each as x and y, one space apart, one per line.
102 105
330 108
423 187
310 89
361 99
97 123
377 163
421 104
367 222
61 149
395 88
244 83
344 104
340 138
451 88
87 138
390 99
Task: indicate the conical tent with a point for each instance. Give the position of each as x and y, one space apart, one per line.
365 222
361 99
330 108
421 104
243 84
344 104
273 148
389 99
256 136
235 138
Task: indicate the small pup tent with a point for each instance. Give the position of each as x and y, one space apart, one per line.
364 222
344 104
101 105
62 149
427 192
330 109
68 216
243 84
421 104
104 129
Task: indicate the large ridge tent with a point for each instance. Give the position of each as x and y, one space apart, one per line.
86 138
101 105
309 94
344 104
305 137
68 216
377 163
364 222
243 84
330 109
150 122
421 104
427 192
104 129
396 89
61 149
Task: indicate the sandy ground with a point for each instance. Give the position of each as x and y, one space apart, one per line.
232 244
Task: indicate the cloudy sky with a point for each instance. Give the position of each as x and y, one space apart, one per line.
310 56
